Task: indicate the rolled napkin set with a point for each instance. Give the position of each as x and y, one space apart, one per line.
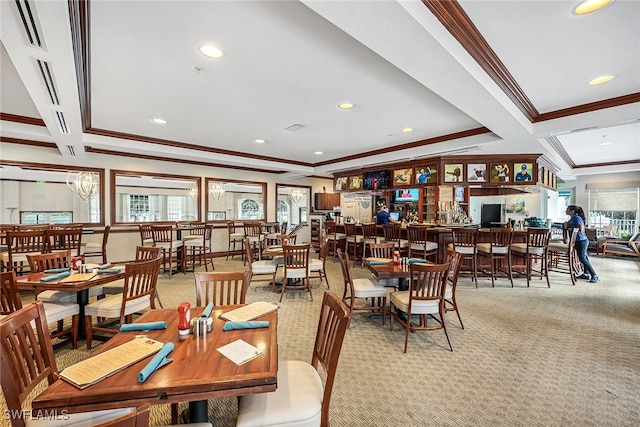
275 247
58 276
417 260
251 324
109 271
158 361
148 326
378 262
57 270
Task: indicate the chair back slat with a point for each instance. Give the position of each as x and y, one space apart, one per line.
222 288
141 279
501 237
465 237
10 300
392 233
144 253
382 250
296 260
428 281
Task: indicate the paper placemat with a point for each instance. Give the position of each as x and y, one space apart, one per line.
79 277
99 367
379 259
249 311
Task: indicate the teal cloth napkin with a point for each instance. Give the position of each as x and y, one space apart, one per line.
378 262
104 266
143 326
253 324
207 310
158 361
111 271
56 276
57 270
417 260
275 246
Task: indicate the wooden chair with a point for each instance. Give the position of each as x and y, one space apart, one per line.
60 239
563 257
296 267
393 233
21 243
234 238
27 359
419 244
138 294
92 250
143 253
53 260
172 249
425 298
300 398
465 242
222 288
260 268
353 242
318 265
384 250
534 251
362 288
198 248
450 304
497 251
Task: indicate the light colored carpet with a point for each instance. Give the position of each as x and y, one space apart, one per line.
565 356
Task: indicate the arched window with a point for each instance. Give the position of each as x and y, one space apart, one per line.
249 209
283 211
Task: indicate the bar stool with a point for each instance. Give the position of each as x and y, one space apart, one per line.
369 236
336 239
464 242
498 249
354 241
393 233
253 232
534 250
562 255
234 237
198 248
419 245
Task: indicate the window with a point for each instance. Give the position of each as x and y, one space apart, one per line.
138 207
46 217
614 206
249 209
283 211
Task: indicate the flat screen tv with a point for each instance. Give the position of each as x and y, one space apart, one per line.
408 195
378 180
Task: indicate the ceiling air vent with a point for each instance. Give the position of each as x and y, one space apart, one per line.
294 128
30 21
71 150
62 123
46 71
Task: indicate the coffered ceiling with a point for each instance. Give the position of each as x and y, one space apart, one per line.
500 78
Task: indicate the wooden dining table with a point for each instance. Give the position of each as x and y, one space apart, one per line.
390 270
198 372
32 282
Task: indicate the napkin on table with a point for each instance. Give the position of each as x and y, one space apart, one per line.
275 246
57 270
207 310
158 361
56 276
104 266
252 324
417 260
143 326
378 262
110 271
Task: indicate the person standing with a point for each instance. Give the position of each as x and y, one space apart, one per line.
577 222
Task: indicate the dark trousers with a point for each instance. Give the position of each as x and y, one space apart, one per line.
581 249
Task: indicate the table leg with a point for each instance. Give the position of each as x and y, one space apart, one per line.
402 284
198 411
82 299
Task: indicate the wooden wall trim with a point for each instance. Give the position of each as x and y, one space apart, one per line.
35 121
42 144
592 106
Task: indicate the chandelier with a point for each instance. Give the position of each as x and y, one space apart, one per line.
85 185
216 189
297 195
191 191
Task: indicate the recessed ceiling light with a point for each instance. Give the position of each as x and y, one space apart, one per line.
159 121
210 51
259 141
318 152
407 130
588 6
600 80
345 106
606 157
605 143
